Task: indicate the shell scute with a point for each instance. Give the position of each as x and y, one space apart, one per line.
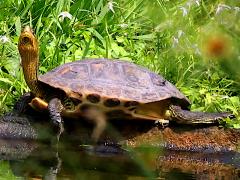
135 76
76 87
81 71
93 88
157 80
132 94
70 75
61 83
113 90
150 96
98 70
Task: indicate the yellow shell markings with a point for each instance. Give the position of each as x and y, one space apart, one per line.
104 103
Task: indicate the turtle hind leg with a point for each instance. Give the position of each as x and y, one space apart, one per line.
55 108
99 120
100 125
188 117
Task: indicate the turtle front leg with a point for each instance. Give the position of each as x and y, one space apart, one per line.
55 108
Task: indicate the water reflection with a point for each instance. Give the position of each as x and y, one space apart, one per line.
33 159
132 150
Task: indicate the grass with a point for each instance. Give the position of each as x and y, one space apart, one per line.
194 43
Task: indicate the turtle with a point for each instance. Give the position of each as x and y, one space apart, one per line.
102 89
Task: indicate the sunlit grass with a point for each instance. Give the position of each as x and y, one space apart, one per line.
179 39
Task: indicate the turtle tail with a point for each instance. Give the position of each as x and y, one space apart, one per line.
188 117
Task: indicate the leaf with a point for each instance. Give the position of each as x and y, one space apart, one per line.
95 33
5 80
236 126
147 37
120 39
100 17
18 26
43 69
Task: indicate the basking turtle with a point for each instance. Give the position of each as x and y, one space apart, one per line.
100 89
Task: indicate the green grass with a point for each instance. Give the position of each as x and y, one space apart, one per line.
194 44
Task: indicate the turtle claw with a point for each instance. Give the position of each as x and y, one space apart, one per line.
162 122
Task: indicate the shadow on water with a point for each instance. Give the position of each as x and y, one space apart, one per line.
126 151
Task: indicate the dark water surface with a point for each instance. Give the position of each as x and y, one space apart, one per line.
30 159
131 150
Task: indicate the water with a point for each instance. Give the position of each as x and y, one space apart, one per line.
127 150
31 159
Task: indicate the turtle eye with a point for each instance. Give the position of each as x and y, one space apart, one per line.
26 40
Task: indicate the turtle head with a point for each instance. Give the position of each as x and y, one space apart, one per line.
28 49
28 45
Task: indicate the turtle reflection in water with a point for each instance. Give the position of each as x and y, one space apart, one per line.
100 89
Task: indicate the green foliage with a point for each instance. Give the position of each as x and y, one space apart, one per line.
5 171
180 39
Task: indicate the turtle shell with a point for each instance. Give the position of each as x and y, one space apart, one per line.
112 79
